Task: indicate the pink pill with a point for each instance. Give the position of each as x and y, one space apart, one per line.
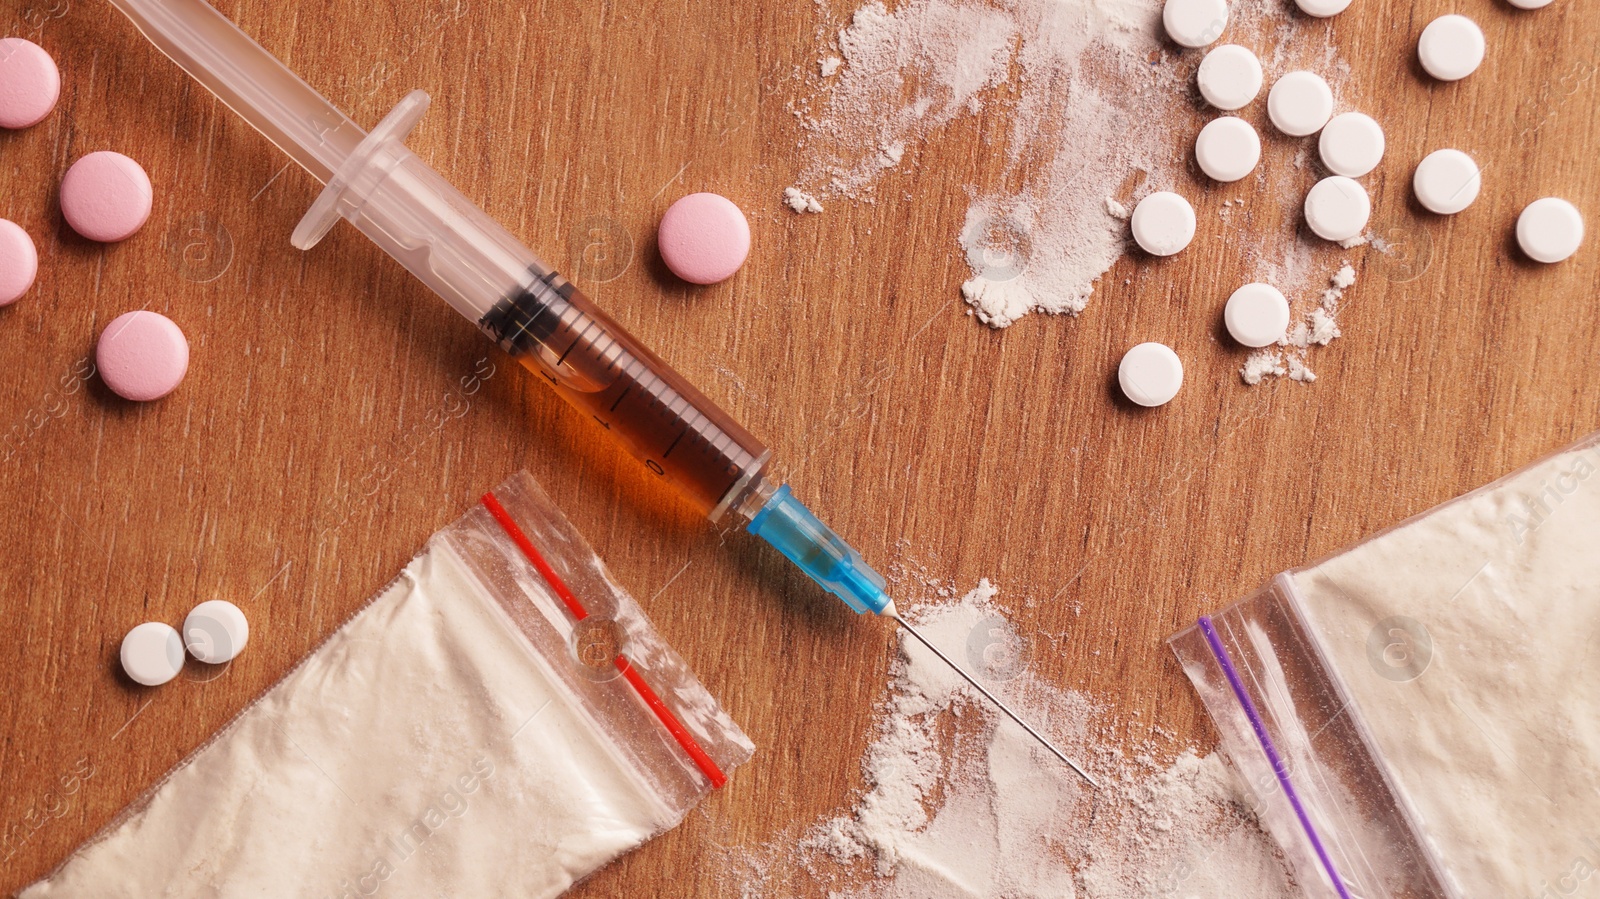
19 262
142 355
704 238
105 196
30 84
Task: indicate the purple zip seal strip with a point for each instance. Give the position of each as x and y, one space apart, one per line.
1265 739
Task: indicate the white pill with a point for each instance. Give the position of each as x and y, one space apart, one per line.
1195 23
152 653
1150 374
1351 144
1451 47
1322 8
1163 223
1229 77
1257 315
1227 149
1446 181
1550 229
1300 103
1337 208
216 631
1530 4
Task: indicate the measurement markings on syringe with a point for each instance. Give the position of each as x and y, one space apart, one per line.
652 412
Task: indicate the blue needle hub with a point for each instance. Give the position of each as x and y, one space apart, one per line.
789 526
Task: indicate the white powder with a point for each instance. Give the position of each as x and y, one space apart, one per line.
914 71
1095 113
1318 325
800 201
904 74
407 757
1496 743
963 805
1262 363
1323 327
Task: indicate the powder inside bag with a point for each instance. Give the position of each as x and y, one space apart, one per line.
421 752
1469 640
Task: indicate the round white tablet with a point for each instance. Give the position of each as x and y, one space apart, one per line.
1257 315
1163 223
1451 47
152 653
1229 77
1446 181
1337 208
1322 8
1227 149
1195 23
1150 374
1351 144
1530 4
1300 103
216 631
1550 229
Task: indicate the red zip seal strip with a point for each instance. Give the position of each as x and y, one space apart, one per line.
672 724
545 571
704 762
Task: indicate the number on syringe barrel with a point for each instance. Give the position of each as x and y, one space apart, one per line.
554 331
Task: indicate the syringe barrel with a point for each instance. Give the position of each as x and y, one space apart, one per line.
409 210
556 332
487 275
476 265
681 436
252 82
550 327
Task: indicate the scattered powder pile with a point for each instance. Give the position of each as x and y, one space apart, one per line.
1071 138
1080 99
1317 326
903 75
800 201
958 804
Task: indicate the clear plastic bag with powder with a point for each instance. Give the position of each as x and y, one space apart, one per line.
1419 715
500 720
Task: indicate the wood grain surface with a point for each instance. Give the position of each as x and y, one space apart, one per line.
325 428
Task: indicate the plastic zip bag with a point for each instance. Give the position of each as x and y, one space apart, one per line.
502 719
1419 715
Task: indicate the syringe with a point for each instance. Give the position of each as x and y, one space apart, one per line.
536 315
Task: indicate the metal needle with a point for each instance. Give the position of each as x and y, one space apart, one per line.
992 698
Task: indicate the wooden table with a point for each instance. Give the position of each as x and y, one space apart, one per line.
947 454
